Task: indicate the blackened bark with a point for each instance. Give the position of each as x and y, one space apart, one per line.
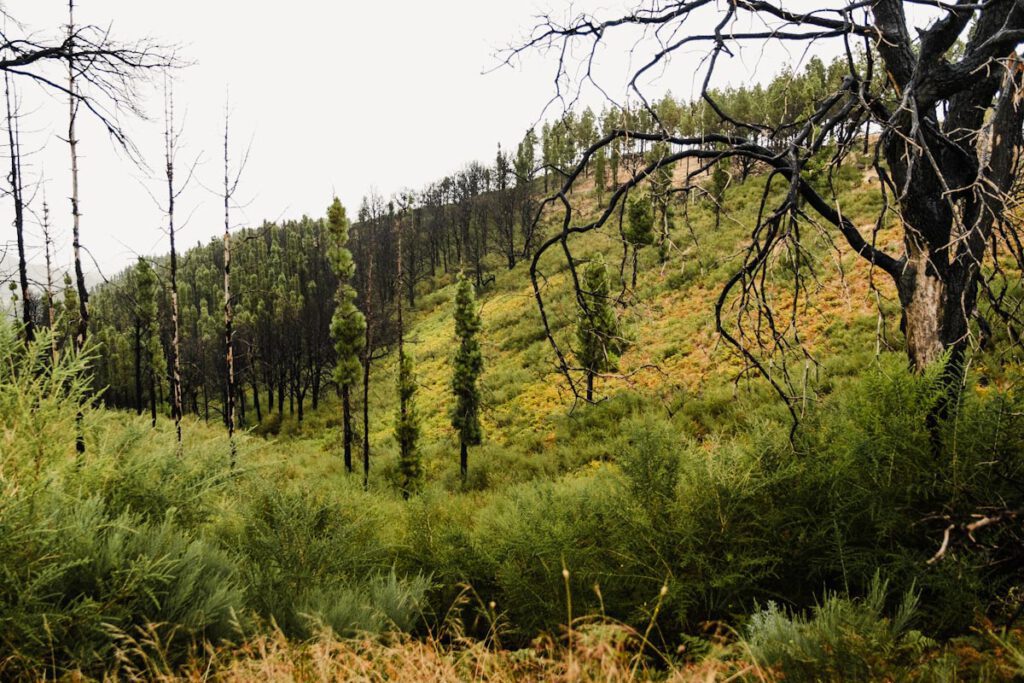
138 366
346 411
463 461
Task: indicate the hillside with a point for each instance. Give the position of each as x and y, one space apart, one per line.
675 363
675 508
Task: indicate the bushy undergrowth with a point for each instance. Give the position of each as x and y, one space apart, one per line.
644 519
842 639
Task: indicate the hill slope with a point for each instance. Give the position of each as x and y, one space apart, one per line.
675 524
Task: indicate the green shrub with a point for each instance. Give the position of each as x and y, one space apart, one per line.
371 605
307 558
843 639
75 575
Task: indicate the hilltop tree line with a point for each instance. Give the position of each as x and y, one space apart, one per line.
475 220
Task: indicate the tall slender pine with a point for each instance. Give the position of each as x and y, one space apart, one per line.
467 367
348 325
407 428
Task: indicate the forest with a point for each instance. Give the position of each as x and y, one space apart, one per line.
716 387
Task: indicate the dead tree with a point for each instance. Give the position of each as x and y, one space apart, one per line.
82 328
171 136
51 312
942 102
103 76
16 181
230 189
371 321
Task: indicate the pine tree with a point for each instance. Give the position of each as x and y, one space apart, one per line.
407 428
597 328
639 227
467 367
69 312
525 170
348 325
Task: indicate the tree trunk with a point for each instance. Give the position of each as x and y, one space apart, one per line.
152 397
366 417
19 211
463 461
138 367
346 413
936 312
367 356
256 400
229 352
50 310
177 400
76 244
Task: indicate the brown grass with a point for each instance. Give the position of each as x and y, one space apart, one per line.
599 651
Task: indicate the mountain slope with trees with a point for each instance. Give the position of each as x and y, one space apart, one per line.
648 398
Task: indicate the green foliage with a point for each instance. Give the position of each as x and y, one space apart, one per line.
348 324
407 428
377 604
39 401
597 326
720 179
640 221
526 161
76 574
467 365
650 463
843 639
311 560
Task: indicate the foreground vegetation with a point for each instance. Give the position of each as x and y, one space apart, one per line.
664 552
673 529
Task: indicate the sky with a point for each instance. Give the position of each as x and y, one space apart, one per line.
329 97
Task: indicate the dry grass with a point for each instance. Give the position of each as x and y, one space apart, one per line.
599 651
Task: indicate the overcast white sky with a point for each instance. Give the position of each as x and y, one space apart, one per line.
337 97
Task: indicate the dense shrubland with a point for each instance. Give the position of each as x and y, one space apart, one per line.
131 549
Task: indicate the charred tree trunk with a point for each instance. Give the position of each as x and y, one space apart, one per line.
229 318
170 144
138 366
76 243
229 334
346 411
17 197
152 395
51 311
367 357
256 400
463 461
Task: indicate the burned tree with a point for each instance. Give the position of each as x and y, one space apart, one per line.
16 182
230 190
171 136
937 106
102 75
